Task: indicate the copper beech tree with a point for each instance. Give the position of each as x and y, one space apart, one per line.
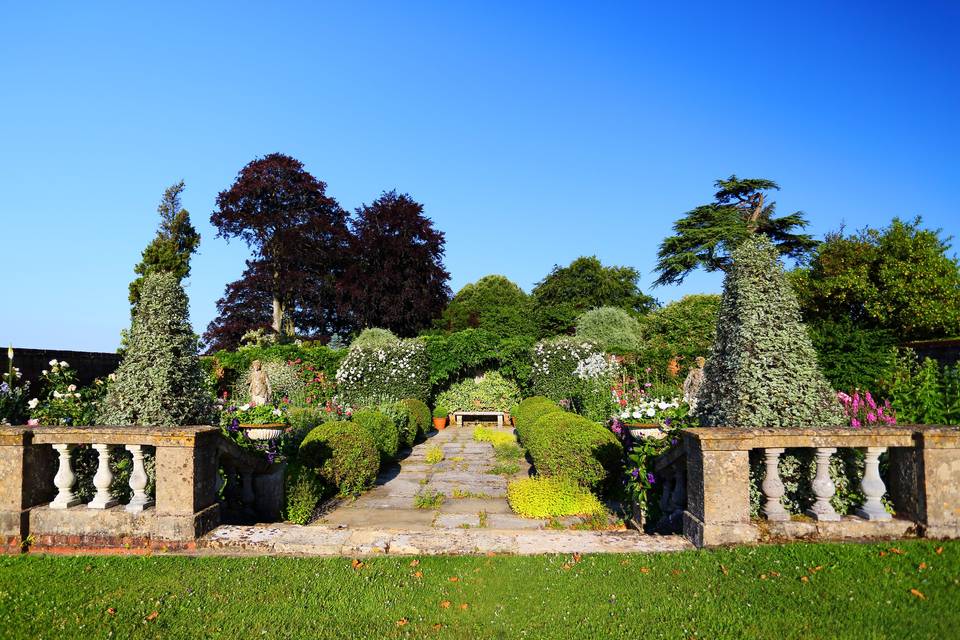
297 233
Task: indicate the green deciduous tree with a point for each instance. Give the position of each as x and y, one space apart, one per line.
160 381
492 303
171 249
706 235
585 284
762 371
898 279
612 329
683 329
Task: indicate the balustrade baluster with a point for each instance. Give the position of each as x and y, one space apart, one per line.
138 481
64 479
873 487
772 486
102 480
823 487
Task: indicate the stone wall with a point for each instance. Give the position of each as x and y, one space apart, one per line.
88 365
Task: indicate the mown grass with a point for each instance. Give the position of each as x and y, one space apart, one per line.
792 591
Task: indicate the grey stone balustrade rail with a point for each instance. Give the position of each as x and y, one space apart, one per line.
924 483
37 502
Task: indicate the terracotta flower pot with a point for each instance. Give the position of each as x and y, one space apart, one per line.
440 423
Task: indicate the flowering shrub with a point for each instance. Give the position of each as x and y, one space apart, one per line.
864 411
555 365
61 402
488 392
394 372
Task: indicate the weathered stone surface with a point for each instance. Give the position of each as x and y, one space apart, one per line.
847 528
455 520
153 436
737 439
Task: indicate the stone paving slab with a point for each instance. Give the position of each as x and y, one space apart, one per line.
474 505
456 520
386 518
320 540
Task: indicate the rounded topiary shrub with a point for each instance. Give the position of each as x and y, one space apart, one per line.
403 422
303 490
344 454
566 445
420 413
529 411
383 430
545 497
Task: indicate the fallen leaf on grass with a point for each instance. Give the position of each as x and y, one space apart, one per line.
112 611
418 574
624 563
939 550
724 569
437 627
774 574
577 557
490 554
763 576
922 566
454 579
918 594
676 572
804 579
445 604
414 563
883 553
402 622
815 569
356 564
153 616
899 552
463 606
644 569
565 567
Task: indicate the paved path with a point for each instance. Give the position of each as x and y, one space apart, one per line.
472 497
473 517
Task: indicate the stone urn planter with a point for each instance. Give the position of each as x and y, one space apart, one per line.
639 430
267 431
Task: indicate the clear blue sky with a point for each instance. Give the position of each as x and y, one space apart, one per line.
532 132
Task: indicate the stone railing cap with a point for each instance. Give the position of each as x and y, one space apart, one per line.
126 434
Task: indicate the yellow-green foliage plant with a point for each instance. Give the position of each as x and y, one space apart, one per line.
434 454
494 437
543 497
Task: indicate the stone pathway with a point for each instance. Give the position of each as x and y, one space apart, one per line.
472 497
473 516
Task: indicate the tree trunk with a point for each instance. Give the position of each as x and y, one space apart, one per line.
277 305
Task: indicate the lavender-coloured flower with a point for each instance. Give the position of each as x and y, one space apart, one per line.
635 473
651 478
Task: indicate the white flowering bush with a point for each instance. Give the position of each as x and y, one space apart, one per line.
556 363
370 375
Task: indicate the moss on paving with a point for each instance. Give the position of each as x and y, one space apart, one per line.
792 591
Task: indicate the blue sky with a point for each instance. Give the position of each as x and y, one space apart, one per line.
532 132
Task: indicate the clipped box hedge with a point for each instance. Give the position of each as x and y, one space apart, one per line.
383 429
563 444
344 454
529 411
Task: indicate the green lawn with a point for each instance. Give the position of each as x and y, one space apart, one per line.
793 591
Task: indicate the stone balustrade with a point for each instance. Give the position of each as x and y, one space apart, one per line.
39 505
708 480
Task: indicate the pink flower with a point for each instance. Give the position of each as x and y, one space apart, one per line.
33 422
855 423
871 418
870 401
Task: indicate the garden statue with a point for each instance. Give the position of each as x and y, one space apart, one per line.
693 383
260 391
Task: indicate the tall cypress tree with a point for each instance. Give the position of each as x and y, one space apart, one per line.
763 369
159 382
176 241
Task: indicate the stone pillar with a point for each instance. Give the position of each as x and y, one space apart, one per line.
26 480
186 488
939 481
718 496
138 481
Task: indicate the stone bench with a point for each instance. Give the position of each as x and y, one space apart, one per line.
459 415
